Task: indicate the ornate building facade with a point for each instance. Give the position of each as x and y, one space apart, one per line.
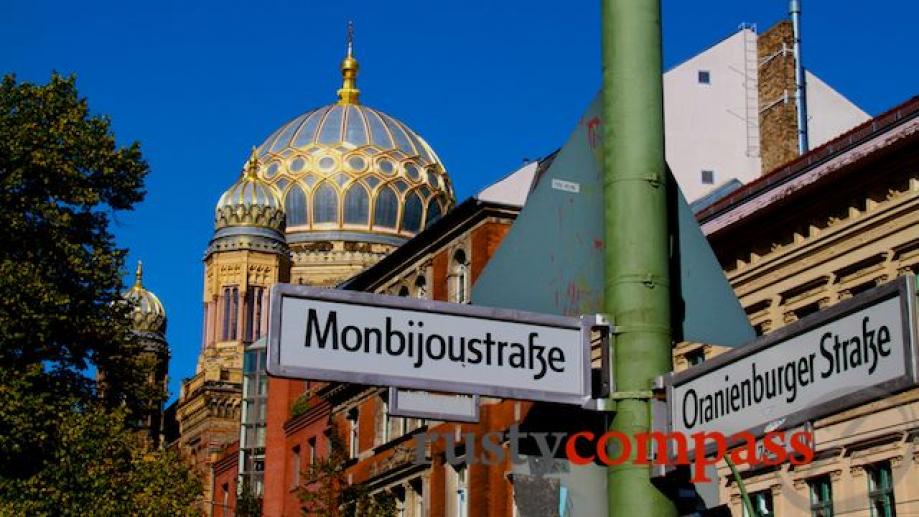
327 195
827 226
148 323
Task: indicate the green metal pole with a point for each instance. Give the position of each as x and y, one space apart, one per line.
748 506
637 290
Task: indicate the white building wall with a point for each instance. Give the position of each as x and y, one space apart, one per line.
706 124
829 114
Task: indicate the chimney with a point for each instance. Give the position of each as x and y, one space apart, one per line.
778 120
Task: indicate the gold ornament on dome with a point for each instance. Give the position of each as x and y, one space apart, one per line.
250 201
346 167
147 313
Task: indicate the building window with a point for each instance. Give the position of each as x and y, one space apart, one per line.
255 299
312 445
708 177
697 356
353 433
225 488
880 490
401 496
295 467
385 421
462 492
387 208
403 291
325 205
416 497
434 213
295 206
252 423
421 287
230 312
460 277
821 497
705 77
762 504
411 220
357 205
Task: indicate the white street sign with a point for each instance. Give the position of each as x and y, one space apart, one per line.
858 350
347 336
437 406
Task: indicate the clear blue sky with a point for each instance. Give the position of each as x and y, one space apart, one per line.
486 83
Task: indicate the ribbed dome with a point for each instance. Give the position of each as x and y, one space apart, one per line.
346 171
250 201
147 313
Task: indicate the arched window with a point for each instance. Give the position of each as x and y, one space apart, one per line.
230 313
325 205
460 275
357 205
421 287
387 208
411 219
295 206
403 291
433 212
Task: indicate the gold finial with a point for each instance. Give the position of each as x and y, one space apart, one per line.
348 93
251 169
138 275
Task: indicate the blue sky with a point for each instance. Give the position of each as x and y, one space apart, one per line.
487 84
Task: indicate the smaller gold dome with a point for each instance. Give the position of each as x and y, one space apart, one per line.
147 313
251 201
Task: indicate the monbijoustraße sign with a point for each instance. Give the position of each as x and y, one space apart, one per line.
822 364
326 334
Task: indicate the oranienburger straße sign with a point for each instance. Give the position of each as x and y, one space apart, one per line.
327 334
858 350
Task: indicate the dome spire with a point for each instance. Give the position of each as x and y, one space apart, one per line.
138 275
250 170
348 93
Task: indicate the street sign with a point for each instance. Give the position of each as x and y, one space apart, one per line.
858 350
327 334
449 407
558 238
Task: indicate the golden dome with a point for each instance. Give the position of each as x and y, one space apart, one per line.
147 313
250 201
349 172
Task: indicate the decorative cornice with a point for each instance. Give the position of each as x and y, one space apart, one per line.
249 215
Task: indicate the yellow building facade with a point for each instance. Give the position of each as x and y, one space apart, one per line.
328 194
838 221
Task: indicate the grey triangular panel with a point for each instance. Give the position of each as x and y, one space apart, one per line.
551 261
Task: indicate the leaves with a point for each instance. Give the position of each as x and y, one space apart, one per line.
67 447
326 492
98 466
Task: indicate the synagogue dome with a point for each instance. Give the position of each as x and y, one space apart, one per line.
348 172
147 313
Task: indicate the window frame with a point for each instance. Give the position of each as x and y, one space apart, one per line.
761 496
710 180
354 433
885 492
821 496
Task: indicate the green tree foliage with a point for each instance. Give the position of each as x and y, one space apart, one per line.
65 446
325 491
248 504
98 466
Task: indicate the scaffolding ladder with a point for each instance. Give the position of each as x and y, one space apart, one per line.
751 88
